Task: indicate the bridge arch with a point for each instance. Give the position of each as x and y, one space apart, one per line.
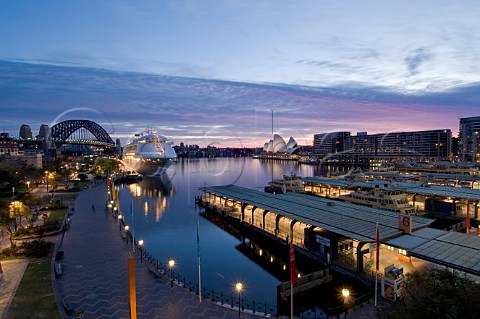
60 133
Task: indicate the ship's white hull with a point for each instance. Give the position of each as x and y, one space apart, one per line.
148 166
149 154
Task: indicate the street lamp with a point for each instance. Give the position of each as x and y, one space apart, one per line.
119 221
126 232
171 264
28 185
46 179
346 295
238 288
140 244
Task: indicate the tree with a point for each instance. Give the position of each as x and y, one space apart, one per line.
30 201
17 211
436 293
6 221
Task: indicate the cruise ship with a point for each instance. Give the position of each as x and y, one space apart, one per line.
149 153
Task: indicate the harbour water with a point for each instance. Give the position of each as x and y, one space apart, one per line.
165 217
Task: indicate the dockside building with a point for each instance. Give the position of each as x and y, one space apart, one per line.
397 146
469 139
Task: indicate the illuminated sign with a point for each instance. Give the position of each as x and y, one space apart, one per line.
405 223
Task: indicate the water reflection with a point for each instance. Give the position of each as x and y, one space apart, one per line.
271 254
153 194
165 217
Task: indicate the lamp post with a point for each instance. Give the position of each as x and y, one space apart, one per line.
346 295
28 185
171 264
126 232
238 288
140 244
46 179
119 221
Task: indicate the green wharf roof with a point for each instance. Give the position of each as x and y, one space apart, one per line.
349 220
423 189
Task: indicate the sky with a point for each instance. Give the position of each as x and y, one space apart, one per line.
211 72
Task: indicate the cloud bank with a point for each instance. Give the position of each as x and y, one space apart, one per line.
203 111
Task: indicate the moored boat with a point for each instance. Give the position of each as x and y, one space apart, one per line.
382 198
149 153
292 183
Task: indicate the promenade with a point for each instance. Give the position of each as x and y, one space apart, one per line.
94 280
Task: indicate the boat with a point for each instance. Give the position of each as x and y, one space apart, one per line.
149 153
128 178
287 184
381 198
309 160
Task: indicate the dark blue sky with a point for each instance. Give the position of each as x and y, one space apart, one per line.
212 71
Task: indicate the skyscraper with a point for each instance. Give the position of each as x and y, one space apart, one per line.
25 132
118 147
470 139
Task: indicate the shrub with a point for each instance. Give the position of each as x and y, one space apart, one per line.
36 248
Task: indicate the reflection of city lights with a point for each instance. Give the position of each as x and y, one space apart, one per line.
145 207
160 208
138 190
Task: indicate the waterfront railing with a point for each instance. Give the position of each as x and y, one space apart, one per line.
230 300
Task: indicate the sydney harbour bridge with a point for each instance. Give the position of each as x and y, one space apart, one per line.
80 132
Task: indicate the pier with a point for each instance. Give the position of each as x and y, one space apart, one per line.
448 200
343 235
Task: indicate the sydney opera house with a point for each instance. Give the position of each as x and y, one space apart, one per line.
276 148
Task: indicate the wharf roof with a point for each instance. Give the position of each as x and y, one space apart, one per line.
423 189
451 249
350 220
461 177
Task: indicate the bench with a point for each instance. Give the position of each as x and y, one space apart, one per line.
154 271
59 255
58 269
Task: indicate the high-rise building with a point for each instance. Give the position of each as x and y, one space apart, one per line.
25 132
331 144
362 148
470 139
118 147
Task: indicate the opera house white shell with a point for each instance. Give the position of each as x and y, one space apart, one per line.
278 145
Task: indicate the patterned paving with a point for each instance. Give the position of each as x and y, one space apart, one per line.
95 272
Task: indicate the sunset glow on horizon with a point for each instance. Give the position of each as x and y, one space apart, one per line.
212 73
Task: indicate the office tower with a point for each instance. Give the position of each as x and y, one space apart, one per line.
470 139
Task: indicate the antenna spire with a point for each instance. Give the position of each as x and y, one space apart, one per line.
272 122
